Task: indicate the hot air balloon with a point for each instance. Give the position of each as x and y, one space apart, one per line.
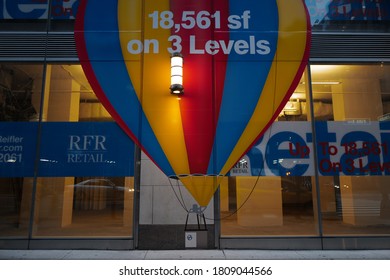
242 61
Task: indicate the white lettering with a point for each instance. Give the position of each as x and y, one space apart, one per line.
87 142
193 49
263 47
240 47
234 22
212 47
246 16
226 49
135 47
148 46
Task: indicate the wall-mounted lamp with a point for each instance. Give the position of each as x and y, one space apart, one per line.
177 74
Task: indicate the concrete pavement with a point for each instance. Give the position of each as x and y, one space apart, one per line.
195 255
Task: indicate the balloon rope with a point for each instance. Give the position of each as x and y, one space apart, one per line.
239 208
177 197
181 195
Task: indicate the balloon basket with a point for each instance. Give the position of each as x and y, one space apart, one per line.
195 236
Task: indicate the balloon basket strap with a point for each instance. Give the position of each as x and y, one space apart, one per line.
201 222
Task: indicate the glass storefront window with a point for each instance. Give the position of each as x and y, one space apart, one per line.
84 207
85 181
351 107
20 95
278 199
78 192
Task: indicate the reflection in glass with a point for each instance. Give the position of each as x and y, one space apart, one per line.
267 206
77 207
15 206
349 15
20 94
20 87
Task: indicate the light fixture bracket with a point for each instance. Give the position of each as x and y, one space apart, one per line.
177 89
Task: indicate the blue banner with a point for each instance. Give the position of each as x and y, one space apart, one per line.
85 149
103 149
18 141
66 149
350 148
38 9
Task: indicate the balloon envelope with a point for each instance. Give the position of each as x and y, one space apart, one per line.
242 61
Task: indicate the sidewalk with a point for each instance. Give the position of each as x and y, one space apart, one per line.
194 255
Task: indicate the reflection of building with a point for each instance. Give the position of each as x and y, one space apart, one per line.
16 103
349 14
347 10
333 194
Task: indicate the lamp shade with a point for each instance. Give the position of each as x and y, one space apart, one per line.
177 74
